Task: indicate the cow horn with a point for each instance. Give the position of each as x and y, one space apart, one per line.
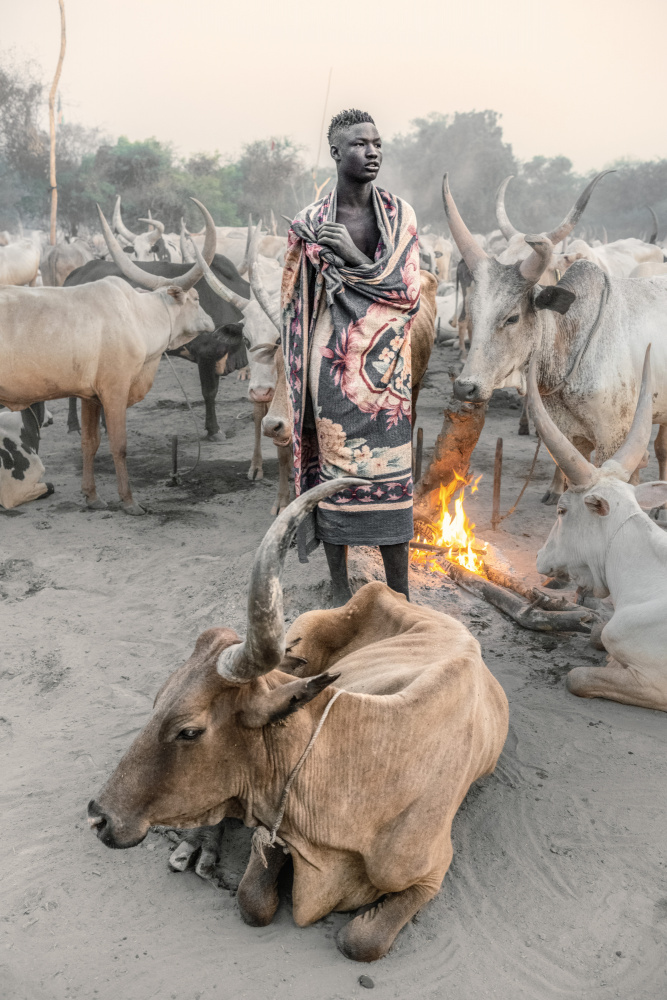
158 226
631 452
119 225
216 285
575 213
571 462
256 282
154 281
654 233
506 227
186 254
536 263
244 263
469 248
264 645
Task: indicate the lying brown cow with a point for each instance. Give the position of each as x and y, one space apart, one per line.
414 717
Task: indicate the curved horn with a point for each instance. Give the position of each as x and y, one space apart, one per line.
198 269
264 644
131 271
119 225
631 452
506 227
573 216
153 281
536 263
186 254
571 462
158 226
257 284
244 263
216 285
654 234
469 248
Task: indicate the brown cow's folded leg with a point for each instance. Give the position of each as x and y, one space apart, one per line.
258 891
370 935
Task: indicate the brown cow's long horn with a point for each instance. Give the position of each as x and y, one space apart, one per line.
197 271
573 216
131 271
216 285
264 645
469 248
571 462
631 452
119 225
506 227
256 283
535 264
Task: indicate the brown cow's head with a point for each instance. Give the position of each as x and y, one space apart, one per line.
204 745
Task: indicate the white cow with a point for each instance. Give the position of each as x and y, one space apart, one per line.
589 331
19 263
603 541
439 249
261 331
151 245
21 468
102 342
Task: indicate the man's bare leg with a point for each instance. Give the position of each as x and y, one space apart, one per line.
337 561
396 559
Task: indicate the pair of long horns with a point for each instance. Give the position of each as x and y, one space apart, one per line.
535 264
575 467
155 281
264 646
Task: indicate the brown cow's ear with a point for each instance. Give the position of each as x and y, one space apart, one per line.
597 504
272 705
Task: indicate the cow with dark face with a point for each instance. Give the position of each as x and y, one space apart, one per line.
215 353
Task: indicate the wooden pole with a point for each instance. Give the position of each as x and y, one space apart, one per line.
52 124
497 477
419 454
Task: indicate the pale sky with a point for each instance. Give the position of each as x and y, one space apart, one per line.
585 78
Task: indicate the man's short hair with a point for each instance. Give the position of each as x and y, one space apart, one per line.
344 120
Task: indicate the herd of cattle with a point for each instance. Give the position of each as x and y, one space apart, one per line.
579 329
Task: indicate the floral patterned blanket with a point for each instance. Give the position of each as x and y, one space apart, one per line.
346 345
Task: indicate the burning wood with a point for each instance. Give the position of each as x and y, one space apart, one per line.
450 547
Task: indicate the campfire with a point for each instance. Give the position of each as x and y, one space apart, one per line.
454 534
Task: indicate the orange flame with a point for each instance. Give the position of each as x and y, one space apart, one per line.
455 533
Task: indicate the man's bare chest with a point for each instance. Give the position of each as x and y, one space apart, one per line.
362 227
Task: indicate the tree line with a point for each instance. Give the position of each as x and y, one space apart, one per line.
271 175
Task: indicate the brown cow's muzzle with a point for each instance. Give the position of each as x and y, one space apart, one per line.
112 832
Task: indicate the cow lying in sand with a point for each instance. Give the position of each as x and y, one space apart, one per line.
21 468
405 717
604 541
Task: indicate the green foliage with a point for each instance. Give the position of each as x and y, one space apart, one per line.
271 175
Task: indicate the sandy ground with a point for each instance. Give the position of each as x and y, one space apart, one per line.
557 888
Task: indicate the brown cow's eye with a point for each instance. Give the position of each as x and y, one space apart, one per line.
189 734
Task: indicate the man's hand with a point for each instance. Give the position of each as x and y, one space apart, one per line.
335 236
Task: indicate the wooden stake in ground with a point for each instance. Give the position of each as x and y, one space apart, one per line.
497 478
52 124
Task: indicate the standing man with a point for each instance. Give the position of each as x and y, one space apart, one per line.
350 293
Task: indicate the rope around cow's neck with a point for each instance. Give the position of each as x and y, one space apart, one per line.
635 513
262 838
577 361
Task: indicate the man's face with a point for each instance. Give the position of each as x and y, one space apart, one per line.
358 152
